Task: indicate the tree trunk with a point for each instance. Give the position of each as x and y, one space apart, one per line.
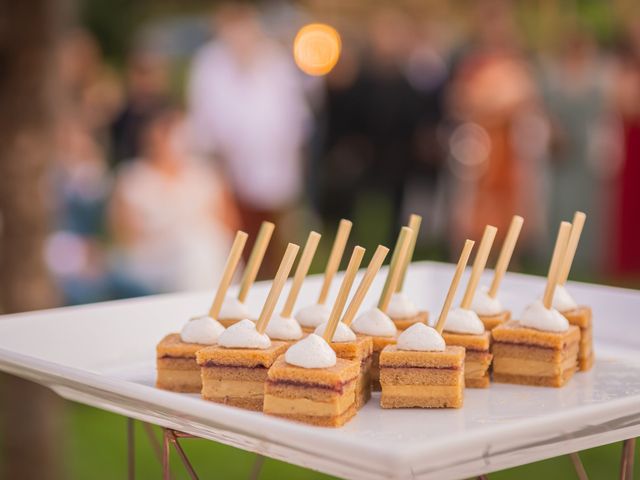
28 34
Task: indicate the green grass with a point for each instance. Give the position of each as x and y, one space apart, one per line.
96 449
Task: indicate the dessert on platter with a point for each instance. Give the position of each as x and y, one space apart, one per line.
311 384
310 316
177 369
235 370
578 315
401 309
485 301
542 347
464 328
283 326
421 370
375 322
234 308
345 342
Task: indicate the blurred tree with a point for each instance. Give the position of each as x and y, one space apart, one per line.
28 32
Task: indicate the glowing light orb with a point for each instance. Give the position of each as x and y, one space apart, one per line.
316 49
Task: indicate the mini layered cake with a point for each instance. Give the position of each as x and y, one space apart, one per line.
540 349
311 316
489 309
354 347
310 384
581 317
285 329
380 328
177 369
234 372
464 328
404 312
421 371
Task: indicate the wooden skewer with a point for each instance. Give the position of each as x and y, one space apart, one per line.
572 246
229 269
462 264
277 286
301 272
505 254
478 264
343 294
372 270
556 260
255 259
334 258
393 276
414 224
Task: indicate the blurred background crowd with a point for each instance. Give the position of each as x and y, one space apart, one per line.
176 131
151 131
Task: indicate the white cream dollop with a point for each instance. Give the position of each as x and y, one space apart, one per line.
343 332
313 315
421 338
483 304
233 308
376 323
463 320
311 352
541 318
562 299
283 328
204 330
243 334
400 306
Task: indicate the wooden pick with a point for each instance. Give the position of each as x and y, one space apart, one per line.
277 286
393 276
343 294
334 258
462 264
556 260
301 272
572 246
372 270
478 264
255 259
414 224
505 254
229 269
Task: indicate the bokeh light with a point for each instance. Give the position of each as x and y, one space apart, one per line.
316 49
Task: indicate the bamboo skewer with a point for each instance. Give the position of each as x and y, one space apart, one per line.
505 254
334 259
277 286
372 270
255 259
462 264
301 272
414 224
393 276
229 269
478 264
572 246
556 260
343 293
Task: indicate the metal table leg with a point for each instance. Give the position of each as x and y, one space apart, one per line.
628 457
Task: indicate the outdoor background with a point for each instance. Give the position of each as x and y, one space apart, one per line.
136 137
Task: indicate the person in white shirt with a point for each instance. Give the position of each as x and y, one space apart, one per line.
247 108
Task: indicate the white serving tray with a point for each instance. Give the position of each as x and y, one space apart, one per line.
103 355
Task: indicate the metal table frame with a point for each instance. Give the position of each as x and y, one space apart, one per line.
172 437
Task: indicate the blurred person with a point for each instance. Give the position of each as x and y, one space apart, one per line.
574 91
170 215
498 148
626 98
247 107
147 89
